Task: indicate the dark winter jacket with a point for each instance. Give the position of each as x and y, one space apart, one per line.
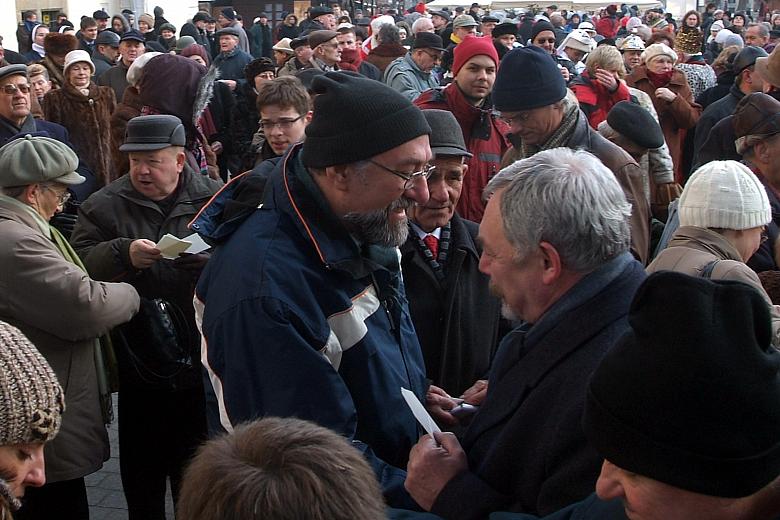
456 318
116 78
484 134
129 108
385 53
244 126
299 321
231 64
87 119
102 64
526 448
721 89
717 111
260 41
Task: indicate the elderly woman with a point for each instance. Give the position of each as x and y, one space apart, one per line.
245 113
48 294
85 110
671 95
31 405
723 212
161 405
601 85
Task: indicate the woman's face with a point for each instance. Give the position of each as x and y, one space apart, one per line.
40 34
21 465
78 75
116 23
660 64
290 20
402 32
692 20
738 21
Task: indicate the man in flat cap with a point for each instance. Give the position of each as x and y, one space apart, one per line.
455 315
302 58
302 308
48 294
228 18
326 52
321 18
163 414
131 46
411 75
231 59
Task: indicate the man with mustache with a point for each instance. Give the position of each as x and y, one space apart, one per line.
454 314
301 306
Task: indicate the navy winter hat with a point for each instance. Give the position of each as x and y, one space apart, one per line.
688 396
356 118
228 13
527 78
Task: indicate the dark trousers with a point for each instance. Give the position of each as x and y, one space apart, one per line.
159 432
64 500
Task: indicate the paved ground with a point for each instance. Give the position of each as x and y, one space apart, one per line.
104 488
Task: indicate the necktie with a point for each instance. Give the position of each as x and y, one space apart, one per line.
433 244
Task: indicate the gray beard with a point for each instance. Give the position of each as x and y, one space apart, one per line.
375 227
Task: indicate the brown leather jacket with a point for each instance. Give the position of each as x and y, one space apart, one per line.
627 172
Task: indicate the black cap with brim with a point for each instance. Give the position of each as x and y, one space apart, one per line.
107 38
154 132
426 40
299 42
443 14
446 137
227 31
133 35
100 15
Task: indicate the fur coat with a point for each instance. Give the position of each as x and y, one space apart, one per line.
129 108
88 119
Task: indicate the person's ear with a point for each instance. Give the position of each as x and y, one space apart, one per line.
552 264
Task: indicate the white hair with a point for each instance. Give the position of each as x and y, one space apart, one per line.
569 199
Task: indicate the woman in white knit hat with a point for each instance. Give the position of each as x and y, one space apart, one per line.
723 214
31 406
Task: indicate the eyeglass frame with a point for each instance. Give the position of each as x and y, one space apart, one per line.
63 198
433 56
273 124
11 89
409 178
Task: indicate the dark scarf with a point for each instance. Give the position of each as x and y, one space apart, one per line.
28 126
561 136
660 80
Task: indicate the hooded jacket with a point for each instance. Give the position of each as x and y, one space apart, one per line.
298 320
484 134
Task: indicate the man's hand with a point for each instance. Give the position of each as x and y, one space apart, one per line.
230 83
607 80
433 463
564 73
476 394
190 262
439 403
665 94
144 253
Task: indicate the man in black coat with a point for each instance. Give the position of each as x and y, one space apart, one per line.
454 314
565 269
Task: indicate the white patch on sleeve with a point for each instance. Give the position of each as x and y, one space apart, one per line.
216 382
348 327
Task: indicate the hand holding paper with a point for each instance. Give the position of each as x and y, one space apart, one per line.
171 247
419 412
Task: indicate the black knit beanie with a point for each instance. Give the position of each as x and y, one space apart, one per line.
689 396
528 78
541 25
356 118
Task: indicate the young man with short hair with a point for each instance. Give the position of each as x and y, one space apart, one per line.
88 34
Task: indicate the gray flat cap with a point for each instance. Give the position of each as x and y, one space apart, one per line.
446 136
30 160
155 132
12 70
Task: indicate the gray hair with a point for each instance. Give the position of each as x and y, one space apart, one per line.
763 29
569 199
389 33
416 26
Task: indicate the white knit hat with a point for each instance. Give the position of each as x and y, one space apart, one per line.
658 49
726 195
77 56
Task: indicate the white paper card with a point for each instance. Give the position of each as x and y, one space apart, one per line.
170 246
198 244
419 411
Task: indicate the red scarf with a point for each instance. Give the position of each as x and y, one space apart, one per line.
660 80
350 60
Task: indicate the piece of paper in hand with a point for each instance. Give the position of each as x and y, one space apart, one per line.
198 244
170 246
419 411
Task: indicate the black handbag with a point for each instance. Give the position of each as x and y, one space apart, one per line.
157 341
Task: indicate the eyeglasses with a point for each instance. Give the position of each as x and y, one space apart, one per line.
11 89
409 178
62 198
283 124
519 118
436 57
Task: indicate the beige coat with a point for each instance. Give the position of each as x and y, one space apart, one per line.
62 311
692 248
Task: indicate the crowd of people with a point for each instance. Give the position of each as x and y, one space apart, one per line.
558 231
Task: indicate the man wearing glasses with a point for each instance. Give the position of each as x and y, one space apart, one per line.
411 75
326 50
301 306
468 97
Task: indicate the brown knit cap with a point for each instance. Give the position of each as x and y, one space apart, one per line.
31 399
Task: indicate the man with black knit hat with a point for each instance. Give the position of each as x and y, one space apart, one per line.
532 97
715 454
301 307
469 98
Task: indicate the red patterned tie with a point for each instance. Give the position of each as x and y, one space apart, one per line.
433 244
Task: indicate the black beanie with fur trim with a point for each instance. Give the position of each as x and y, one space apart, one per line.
356 118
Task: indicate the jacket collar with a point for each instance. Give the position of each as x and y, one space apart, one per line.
13 209
417 70
703 239
190 191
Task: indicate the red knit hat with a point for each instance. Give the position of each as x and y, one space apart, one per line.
473 46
